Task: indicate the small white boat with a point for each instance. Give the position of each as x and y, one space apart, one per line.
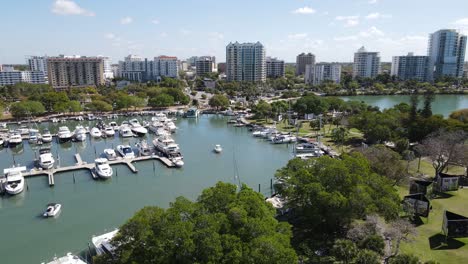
34 136
178 161
95 132
306 148
102 243
46 160
110 154
52 210
46 136
3 125
23 130
155 126
125 131
125 151
54 120
137 128
14 180
80 133
218 148
114 125
64 134
68 259
143 148
162 132
283 139
1 142
171 127
15 139
102 168
109 131
79 118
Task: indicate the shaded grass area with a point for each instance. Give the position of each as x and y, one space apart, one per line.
430 242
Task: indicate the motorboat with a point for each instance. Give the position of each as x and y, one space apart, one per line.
171 127
3 125
110 154
137 128
80 133
281 139
54 120
95 132
103 244
125 151
155 126
306 148
218 148
79 118
162 132
90 117
2 142
46 160
23 130
102 168
125 131
109 131
34 136
46 136
143 148
68 259
178 161
64 134
114 125
15 139
14 180
52 210
166 145
192 113
308 155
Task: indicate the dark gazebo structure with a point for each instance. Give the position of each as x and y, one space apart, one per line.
454 225
446 182
420 186
417 204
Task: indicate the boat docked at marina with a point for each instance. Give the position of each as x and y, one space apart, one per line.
125 151
137 128
52 210
46 160
15 139
309 155
125 131
34 136
171 127
284 139
14 180
178 161
102 243
143 148
80 133
64 134
68 259
192 113
110 154
95 132
306 148
102 168
114 125
109 131
155 125
46 136
166 145
218 148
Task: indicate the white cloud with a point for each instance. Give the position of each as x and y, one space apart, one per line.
377 15
345 38
372 31
155 21
297 36
461 22
350 21
163 35
126 20
216 35
68 7
373 2
185 32
304 11
109 36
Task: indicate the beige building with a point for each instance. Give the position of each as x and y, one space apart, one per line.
74 71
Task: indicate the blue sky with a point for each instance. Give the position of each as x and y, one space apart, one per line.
331 29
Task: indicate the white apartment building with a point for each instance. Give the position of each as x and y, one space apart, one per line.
366 64
37 63
136 69
75 71
13 77
165 66
318 73
245 62
108 73
275 68
410 67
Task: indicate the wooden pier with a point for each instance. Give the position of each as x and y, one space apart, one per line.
81 165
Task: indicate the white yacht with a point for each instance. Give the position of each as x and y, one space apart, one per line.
166 145
23 130
143 148
171 127
102 243
15 139
114 125
1 142
137 128
102 168
34 136
46 160
14 180
178 161
306 148
68 259
218 148
3 125
125 151
80 133
282 139
125 131
155 126
46 136
161 132
64 134
52 210
95 132
109 131
110 154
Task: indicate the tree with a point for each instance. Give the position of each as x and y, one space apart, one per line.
26 109
223 226
99 106
74 106
161 100
460 115
53 101
404 259
386 162
367 257
398 231
339 135
444 147
219 101
344 250
311 104
427 109
262 109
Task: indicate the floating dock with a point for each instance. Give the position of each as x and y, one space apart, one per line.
81 165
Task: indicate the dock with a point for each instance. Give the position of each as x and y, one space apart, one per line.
80 165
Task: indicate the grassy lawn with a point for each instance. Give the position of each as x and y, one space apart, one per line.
427 169
456 250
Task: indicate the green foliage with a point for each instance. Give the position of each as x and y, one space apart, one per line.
374 243
367 257
386 162
26 109
262 109
161 100
344 250
377 126
311 104
339 135
404 259
219 101
99 106
55 101
223 226
74 106
460 115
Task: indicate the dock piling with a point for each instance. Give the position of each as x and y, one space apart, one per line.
74 181
259 187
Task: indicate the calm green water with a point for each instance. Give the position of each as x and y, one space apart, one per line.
444 104
91 207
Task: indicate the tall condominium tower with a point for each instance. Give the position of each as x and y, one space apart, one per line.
410 67
318 73
366 64
275 67
446 52
245 62
302 60
205 64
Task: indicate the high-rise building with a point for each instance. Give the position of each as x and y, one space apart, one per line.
221 67
410 67
108 73
205 64
75 71
164 66
446 52
275 68
245 62
37 63
9 76
366 64
136 69
302 60
318 73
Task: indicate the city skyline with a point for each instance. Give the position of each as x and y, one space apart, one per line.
332 30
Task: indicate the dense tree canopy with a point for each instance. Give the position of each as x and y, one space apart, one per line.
161 100
26 109
223 226
219 101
